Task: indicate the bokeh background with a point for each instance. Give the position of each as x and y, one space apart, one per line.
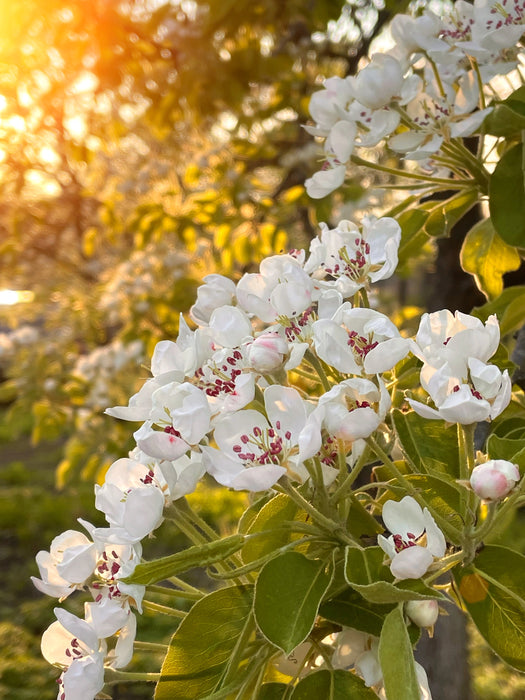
143 145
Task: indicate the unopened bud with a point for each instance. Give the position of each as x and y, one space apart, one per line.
267 352
291 664
494 479
423 613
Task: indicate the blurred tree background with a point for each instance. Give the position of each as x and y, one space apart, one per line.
143 145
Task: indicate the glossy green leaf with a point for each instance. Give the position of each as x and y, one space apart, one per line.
493 591
199 555
508 117
429 445
360 522
350 609
366 573
200 648
332 685
507 448
288 593
272 516
509 307
397 659
507 197
444 215
413 236
272 691
486 256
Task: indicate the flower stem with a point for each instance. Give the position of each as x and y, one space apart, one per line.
323 521
163 609
112 676
410 489
448 182
150 646
174 593
316 364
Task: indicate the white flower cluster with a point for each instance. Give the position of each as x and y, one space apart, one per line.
148 274
349 649
218 402
99 369
420 94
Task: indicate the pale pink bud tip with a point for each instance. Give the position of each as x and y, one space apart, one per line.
494 479
423 613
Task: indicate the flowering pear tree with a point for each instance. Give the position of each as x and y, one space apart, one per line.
372 503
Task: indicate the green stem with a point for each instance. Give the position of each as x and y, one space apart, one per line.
150 646
364 298
410 489
316 364
484 527
323 521
174 593
112 676
349 479
450 183
163 609
186 587
446 563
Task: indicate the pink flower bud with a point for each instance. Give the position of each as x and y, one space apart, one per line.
267 352
494 479
423 613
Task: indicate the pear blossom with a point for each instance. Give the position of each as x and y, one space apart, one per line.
216 291
358 340
183 414
494 479
354 408
281 288
360 651
326 180
226 380
347 259
453 338
130 498
378 82
415 540
254 452
73 645
482 393
67 566
171 362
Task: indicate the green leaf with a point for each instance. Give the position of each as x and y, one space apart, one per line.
507 197
486 256
278 511
272 691
508 117
492 588
507 448
444 215
288 593
199 555
350 609
332 685
509 307
366 573
413 237
200 648
360 522
397 660
429 445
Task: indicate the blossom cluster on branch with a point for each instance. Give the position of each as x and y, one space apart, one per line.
291 384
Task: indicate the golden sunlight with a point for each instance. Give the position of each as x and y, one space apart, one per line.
9 297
